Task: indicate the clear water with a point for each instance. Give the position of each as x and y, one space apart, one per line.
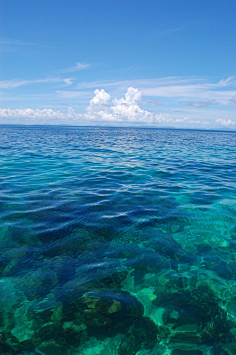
117 241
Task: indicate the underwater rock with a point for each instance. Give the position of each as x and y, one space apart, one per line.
186 352
216 330
23 329
50 348
77 327
108 313
170 249
179 316
9 305
94 346
218 350
177 281
45 317
146 296
231 314
72 332
46 331
113 281
5 348
148 262
220 267
189 333
204 248
193 315
45 311
22 333
107 306
143 335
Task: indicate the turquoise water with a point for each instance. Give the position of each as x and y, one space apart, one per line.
117 241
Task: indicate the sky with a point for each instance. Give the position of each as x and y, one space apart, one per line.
157 63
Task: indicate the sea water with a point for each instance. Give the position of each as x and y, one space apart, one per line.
117 241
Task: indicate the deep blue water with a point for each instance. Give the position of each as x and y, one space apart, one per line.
117 241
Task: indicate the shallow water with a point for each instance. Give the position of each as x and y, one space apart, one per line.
117 241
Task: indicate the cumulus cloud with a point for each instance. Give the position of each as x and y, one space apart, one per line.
99 102
132 97
225 122
127 109
77 67
100 109
28 113
199 104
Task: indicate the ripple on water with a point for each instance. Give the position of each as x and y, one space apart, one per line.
117 241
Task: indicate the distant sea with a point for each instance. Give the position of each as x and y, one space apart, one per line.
117 241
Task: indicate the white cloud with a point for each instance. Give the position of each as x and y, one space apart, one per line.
171 30
77 67
101 109
200 104
152 102
225 82
99 102
28 113
182 88
233 100
68 81
126 109
14 83
225 122
132 97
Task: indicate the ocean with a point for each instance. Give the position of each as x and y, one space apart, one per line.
117 241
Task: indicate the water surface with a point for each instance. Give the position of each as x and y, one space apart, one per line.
117 241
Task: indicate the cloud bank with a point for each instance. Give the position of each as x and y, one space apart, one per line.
28 113
225 122
102 110
124 110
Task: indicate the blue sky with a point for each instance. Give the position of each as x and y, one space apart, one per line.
118 62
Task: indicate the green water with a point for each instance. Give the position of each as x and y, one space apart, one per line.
117 241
